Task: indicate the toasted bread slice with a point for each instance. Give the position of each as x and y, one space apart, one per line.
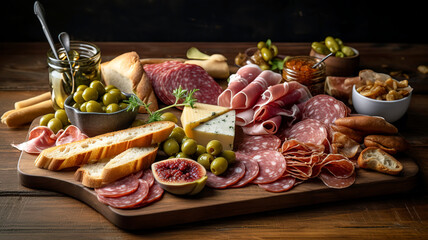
95 175
378 160
103 146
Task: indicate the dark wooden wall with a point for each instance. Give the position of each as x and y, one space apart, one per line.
219 20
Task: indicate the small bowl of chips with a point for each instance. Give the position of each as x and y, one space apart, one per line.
378 94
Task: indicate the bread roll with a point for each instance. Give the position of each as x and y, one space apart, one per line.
367 124
378 160
389 144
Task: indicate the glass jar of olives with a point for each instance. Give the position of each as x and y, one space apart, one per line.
84 60
299 68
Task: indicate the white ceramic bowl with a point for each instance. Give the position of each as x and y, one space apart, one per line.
390 110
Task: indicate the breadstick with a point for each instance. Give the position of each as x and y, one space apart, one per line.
33 100
18 117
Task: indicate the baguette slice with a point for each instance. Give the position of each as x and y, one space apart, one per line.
95 175
378 160
103 146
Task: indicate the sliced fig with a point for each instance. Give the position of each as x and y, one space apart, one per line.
180 175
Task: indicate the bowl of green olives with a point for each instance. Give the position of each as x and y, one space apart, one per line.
98 109
345 60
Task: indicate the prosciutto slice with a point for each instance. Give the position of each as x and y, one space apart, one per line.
237 82
285 94
248 96
270 126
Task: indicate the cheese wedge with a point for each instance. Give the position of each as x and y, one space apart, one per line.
200 113
221 128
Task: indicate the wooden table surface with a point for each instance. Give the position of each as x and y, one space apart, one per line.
37 214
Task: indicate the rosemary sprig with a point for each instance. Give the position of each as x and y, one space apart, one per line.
180 94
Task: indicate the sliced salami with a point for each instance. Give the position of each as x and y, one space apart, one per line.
232 175
325 108
309 131
124 186
148 177
334 182
251 144
281 185
155 194
130 200
251 170
272 166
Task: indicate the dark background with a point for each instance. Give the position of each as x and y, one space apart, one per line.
219 20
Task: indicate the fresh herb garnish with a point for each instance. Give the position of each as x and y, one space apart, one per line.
180 94
277 63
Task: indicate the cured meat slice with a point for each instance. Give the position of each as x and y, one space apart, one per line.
148 177
232 175
244 117
338 165
244 76
272 166
155 194
340 87
129 200
284 94
250 144
334 182
248 96
122 187
70 134
309 131
281 185
39 138
251 169
325 108
269 126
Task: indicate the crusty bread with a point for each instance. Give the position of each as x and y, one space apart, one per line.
103 146
95 175
389 144
367 124
127 73
378 160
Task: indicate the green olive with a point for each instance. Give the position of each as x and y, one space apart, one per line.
218 165
200 150
339 54
62 116
98 86
123 105
170 147
339 41
45 119
103 108
331 44
229 155
109 87
348 51
182 155
55 125
264 66
189 146
184 139
274 50
320 48
83 107
76 106
93 106
169 116
266 54
214 147
205 159
116 93
261 45
137 122
113 107
81 87
90 94
178 134
78 97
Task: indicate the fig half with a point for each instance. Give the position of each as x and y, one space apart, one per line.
180 175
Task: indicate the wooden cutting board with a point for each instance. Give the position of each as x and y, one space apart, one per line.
212 203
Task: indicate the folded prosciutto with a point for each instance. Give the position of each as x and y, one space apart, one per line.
237 82
248 96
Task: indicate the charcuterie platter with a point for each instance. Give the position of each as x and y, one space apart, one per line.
213 203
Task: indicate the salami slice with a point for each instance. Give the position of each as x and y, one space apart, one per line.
325 108
124 186
272 166
309 131
155 194
148 177
281 185
251 144
251 170
130 200
232 175
334 182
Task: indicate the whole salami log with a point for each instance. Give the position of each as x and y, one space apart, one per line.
325 108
